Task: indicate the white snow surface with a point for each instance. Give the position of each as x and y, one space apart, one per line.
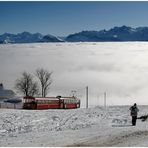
98 126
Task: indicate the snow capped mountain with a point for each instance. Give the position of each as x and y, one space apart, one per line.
26 37
123 29
50 38
83 36
91 36
123 33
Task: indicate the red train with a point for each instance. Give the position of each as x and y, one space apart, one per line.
51 102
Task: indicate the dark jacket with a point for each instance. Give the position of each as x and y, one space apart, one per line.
134 110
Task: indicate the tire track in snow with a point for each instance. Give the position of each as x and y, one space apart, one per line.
122 139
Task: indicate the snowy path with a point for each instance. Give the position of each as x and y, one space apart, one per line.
79 127
123 138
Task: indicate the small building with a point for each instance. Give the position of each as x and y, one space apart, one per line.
5 93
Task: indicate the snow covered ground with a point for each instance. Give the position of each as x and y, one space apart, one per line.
96 126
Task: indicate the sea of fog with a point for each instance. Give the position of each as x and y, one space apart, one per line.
118 68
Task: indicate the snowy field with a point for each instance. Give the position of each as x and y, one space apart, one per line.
118 68
96 126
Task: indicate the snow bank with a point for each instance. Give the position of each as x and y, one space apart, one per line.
21 121
78 127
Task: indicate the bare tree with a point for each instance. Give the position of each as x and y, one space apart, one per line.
34 90
44 77
26 85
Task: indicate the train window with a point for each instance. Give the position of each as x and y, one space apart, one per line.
39 102
27 100
49 101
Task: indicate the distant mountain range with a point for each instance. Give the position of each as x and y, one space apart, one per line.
26 37
123 33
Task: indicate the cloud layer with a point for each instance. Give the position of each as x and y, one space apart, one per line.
120 69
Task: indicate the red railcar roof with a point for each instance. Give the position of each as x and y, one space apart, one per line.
49 98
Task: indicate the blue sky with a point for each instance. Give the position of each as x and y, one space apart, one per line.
63 18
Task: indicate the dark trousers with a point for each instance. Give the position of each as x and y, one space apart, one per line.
134 118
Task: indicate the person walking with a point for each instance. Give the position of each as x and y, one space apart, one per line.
134 111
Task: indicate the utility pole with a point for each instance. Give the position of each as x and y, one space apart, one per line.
104 99
73 93
98 100
86 96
